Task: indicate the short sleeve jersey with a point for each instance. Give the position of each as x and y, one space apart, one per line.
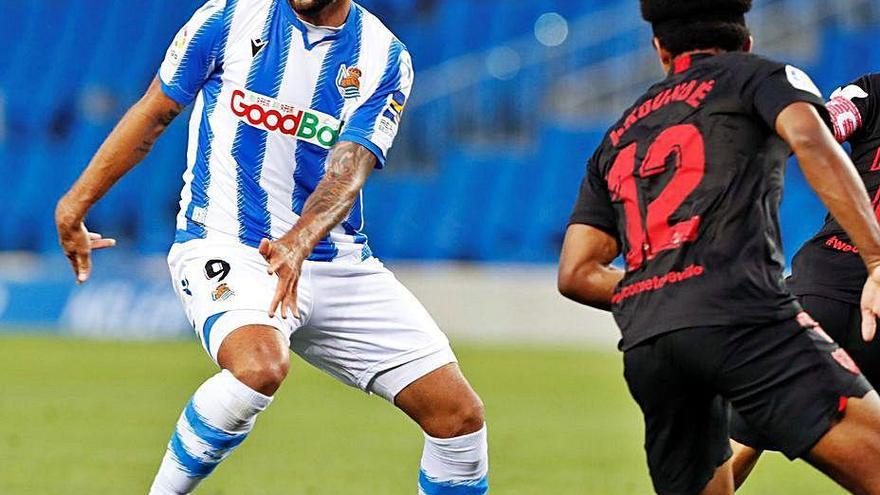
829 264
689 182
270 101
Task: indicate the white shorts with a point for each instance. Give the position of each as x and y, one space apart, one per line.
359 323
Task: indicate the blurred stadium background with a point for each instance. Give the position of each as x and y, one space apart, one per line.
511 97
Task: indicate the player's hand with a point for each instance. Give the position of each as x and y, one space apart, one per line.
286 262
78 243
871 305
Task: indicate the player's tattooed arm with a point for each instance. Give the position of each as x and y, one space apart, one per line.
585 272
124 148
346 173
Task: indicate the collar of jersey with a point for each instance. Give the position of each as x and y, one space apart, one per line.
693 59
353 15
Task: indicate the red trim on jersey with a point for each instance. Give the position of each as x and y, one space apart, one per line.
841 406
843 358
876 166
681 64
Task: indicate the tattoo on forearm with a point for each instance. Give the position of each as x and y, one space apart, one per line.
347 170
162 122
169 117
145 146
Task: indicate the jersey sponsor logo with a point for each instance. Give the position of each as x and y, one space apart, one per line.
800 80
349 81
656 283
691 92
222 293
257 45
272 115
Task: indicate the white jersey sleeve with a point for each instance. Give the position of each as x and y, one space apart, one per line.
374 124
194 54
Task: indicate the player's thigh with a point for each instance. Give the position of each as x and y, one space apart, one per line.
842 321
686 436
224 287
365 325
788 382
850 451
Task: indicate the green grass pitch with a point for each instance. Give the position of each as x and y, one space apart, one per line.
81 417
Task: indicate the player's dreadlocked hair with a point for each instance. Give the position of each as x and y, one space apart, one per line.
686 25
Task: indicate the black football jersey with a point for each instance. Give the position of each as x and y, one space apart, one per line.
689 182
829 264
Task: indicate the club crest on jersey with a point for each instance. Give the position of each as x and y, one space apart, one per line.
222 293
349 81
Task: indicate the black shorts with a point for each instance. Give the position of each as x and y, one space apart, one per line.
783 378
842 321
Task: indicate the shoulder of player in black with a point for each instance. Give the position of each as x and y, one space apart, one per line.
873 78
744 59
748 68
869 84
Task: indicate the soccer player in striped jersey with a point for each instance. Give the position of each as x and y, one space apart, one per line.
295 103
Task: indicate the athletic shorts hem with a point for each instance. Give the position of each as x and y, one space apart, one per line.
232 320
698 487
816 433
389 383
367 376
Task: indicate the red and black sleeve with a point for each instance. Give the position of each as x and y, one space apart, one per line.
853 107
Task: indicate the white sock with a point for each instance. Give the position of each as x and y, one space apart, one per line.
455 466
217 419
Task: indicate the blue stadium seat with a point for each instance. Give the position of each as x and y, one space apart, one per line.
496 198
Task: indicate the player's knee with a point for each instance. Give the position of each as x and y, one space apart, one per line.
263 375
472 418
461 418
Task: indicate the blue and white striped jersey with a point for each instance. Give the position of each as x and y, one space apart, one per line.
270 103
